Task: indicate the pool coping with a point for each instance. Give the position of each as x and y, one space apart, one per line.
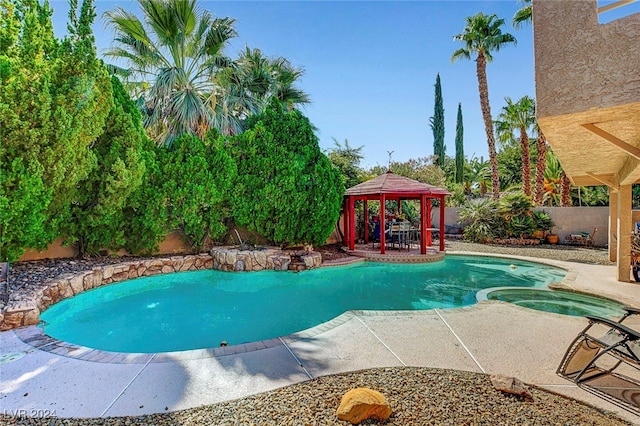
34 336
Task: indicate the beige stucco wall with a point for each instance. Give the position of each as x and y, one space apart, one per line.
174 243
568 220
581 64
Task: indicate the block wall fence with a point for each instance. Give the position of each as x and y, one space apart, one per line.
568 220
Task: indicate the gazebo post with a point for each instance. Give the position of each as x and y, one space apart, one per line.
352 224
366 222
345 220
423 224
429 224
382 224
441 223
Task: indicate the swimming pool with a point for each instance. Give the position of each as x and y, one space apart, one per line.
200 309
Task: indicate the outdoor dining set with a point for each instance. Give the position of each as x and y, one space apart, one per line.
398 234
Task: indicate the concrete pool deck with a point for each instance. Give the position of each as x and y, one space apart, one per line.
490 337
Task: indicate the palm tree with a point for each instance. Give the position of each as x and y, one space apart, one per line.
270 79
482 35
565 190
519 116
171 57
552 181
522 15
249 85
541 165
478 175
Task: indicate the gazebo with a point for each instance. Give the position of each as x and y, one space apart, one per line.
390 186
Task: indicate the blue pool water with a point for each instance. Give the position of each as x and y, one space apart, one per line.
557 301
192 310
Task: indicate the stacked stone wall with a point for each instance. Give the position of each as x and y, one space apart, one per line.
232 259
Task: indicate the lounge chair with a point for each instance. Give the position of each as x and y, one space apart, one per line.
604 359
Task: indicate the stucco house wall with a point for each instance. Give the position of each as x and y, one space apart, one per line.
581 64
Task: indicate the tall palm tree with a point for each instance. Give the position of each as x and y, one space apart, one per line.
482 36
522 15
519 116
170 58
565 190
541 165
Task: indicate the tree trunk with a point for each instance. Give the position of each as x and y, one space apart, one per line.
541 166
483 88
565 190
526 165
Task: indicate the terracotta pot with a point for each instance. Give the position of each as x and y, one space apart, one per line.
552 239
538 234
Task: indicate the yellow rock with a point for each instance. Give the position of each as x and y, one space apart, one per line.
363 403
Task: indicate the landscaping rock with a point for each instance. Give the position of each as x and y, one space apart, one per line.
360 404
511 385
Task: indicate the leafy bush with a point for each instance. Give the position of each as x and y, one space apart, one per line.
198 176
146 212
286 188
484 221
54 100
96 214
515 204
520 226
542 221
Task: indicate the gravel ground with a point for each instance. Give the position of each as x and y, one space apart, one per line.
418 396
596 256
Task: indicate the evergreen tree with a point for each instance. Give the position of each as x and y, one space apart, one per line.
437 125
347 160
54 100
287 190
198 177
459 147
97 210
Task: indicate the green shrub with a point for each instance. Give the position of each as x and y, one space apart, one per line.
96 214
286 189
483 219
197 177
520 226
542 221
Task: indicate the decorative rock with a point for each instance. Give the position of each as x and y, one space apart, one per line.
76 284
363 403
511 385
107 272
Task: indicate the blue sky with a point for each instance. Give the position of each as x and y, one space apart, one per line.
370 66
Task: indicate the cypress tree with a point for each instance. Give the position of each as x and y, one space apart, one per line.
437 126
459 147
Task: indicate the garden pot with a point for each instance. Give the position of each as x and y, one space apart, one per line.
552 239
538 234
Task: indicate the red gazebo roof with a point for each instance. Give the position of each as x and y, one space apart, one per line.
391 183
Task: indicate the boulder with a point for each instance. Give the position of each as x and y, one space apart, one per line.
511 385
360 404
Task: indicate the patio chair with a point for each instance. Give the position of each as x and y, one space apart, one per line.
583 238
604 359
